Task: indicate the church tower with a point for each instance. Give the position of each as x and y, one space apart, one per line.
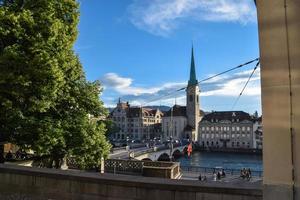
193 101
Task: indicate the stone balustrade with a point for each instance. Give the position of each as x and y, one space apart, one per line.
42 184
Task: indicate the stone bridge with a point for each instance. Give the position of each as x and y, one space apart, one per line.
159 153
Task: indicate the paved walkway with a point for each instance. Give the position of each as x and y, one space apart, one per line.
228 179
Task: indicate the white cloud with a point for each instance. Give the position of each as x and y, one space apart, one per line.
222 86
234 87
123 85
160 17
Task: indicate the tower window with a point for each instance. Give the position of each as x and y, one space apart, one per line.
191 97
197 99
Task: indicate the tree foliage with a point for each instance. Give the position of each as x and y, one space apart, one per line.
45 99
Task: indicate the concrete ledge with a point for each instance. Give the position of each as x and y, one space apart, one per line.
37 183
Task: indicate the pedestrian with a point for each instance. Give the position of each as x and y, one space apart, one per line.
215 176
200 177
9 156
219 176
223 173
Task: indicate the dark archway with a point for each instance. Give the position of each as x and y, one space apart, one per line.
164 157
176 154
185 150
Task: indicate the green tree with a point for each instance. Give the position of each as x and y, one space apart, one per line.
45 100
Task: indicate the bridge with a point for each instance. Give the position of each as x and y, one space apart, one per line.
156 153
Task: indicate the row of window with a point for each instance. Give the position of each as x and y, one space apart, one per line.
134 125
233 135
122 119
137 130
232 120
233 144
225 128
122 136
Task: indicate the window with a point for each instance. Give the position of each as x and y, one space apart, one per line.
203 128
207 128
191 97
217 128
243 128
197 98
248 128
233 135
237 128
212 128
233 128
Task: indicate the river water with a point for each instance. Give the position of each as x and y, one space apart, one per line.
226 160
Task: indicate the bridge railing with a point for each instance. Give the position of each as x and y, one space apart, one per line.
117 166
154 149
210 170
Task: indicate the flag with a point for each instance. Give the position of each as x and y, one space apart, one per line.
189 149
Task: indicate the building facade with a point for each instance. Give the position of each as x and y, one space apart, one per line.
227 129
136 122
174 123
182 122
258 133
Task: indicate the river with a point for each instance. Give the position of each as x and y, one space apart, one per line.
226 160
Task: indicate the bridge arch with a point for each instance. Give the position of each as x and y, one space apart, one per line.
184 151
164 157
176 153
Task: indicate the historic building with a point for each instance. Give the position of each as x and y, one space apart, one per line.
182 122
136 122
258 133
227 129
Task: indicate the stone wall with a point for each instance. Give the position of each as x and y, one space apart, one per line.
23 183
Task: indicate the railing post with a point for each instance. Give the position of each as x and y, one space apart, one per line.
102 165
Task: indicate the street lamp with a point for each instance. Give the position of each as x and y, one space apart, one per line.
171 148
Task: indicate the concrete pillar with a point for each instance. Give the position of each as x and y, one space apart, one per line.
279 40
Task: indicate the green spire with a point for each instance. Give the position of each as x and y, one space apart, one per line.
193 80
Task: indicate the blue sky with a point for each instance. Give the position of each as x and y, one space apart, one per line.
141 49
